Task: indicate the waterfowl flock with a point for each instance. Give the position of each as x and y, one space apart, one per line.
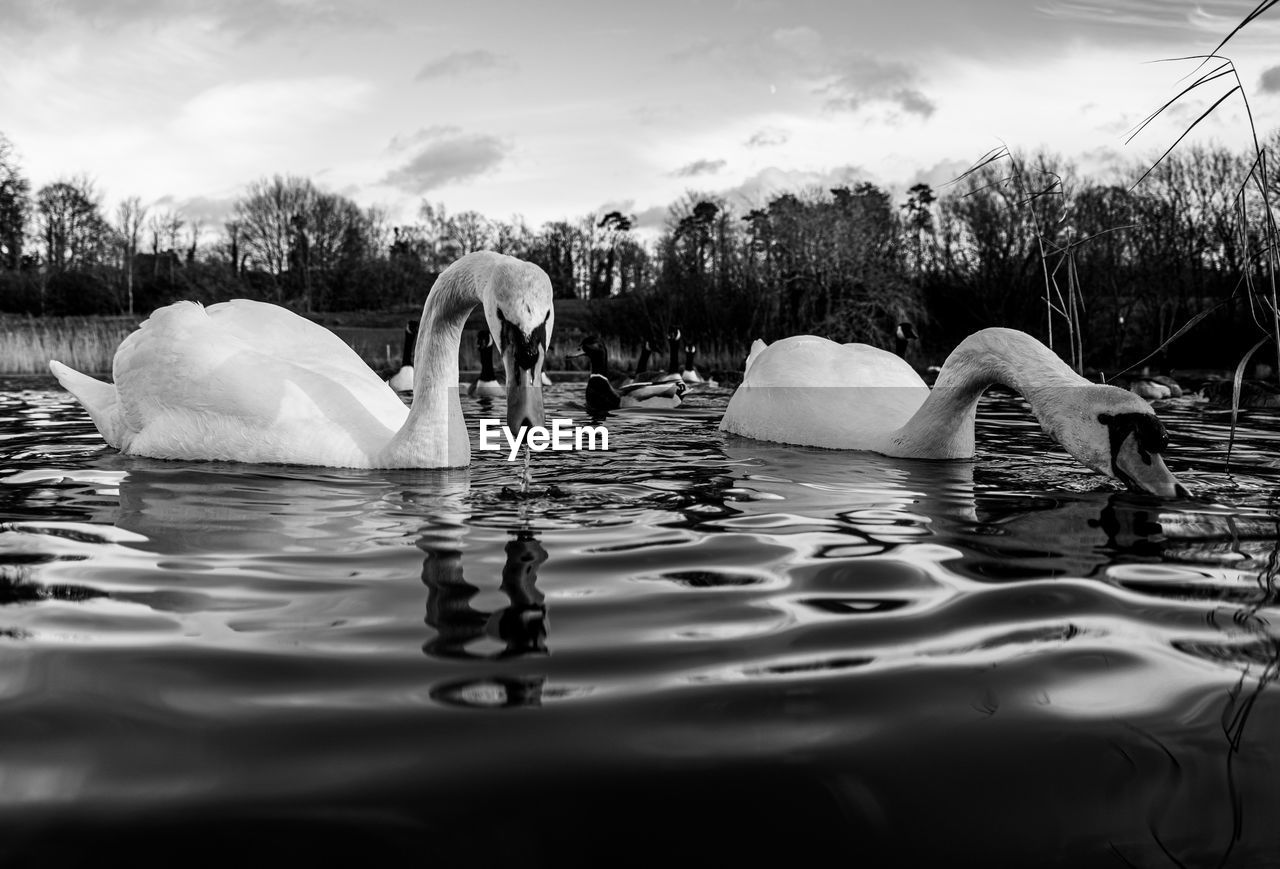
604 394
248 381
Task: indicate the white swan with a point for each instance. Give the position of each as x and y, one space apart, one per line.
808 390
250 382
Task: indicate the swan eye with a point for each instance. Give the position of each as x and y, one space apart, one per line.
1149 434
527 349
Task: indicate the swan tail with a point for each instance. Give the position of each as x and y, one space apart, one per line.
100 399
757 347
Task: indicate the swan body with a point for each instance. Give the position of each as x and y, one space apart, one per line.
247 381
808 390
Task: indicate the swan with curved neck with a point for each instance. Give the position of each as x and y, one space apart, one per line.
246 381
808 390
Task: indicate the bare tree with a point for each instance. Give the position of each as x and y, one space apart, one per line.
130 214
15 207
71 224
265 215
472 231
194 228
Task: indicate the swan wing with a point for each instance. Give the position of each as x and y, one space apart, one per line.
757 347
248 381
808 390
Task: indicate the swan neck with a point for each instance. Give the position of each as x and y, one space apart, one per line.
943 427
435 358
434 434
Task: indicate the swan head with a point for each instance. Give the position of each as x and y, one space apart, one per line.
520 315
1115 433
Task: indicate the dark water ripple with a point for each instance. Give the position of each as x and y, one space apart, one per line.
711 649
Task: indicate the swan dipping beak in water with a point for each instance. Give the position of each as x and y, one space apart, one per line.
808 390
245 381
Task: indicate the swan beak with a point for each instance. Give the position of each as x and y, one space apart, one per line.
524 388
1146 472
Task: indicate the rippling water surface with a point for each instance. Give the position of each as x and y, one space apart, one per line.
694 649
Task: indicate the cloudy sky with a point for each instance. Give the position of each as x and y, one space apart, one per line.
560 108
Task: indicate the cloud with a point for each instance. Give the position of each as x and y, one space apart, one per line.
863 80
264 110
403 142
757 190
210 211
1270 81
799 41
767 138
780 53
941 175
699 167
244 19
466 63
446 155
699 49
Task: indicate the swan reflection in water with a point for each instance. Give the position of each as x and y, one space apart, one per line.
185 511
519 629
520 626
1198 578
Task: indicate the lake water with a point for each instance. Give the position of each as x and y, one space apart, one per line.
696 650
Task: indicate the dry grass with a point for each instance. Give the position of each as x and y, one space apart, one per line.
89 344
85 343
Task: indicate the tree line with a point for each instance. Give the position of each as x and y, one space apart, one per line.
1106 268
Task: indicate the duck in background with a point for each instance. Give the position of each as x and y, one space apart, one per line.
601 395
1253 393
1149 388
1155 387
690 373
486 385
673 358
643 374
402 380
904 334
